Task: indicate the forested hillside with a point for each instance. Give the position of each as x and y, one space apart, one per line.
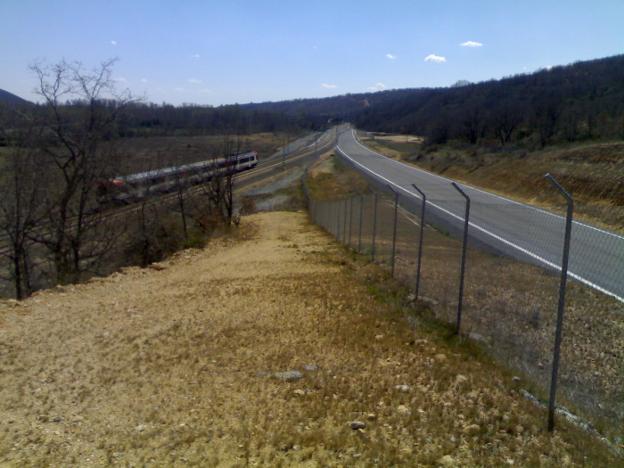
11 99
581 101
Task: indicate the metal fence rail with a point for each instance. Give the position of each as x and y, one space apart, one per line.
513 306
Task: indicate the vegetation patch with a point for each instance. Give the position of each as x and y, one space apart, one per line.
277 348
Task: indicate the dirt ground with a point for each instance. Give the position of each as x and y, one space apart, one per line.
184 363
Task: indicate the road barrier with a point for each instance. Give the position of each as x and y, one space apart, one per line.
511 306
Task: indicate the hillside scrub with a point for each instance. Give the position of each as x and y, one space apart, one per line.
275 347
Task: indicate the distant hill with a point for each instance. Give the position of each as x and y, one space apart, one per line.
460 83
11 99
580 101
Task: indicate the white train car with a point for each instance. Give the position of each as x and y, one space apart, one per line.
128 189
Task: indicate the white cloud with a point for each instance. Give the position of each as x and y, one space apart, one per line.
195 56
194 81
120 79
471 44
143 80
328 86
391 56
377 87
435 58
113 43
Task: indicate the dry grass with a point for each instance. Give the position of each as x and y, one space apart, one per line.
171 365
593 172
512 307
330 179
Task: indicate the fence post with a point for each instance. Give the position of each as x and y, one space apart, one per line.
337 220
420 239
344 221
350 219
561 305
463 257
394 228
360 224
374 226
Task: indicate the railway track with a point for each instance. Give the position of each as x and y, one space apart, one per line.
277 161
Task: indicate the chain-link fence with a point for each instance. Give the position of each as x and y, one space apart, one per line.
510 297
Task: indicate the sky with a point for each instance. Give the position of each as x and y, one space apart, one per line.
220 52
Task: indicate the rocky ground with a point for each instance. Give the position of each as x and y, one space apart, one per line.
273 347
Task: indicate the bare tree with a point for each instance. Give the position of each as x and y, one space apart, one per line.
505 122
181 184
220 189
79 117
21 185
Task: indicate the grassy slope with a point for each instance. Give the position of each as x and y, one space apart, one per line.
509 305
173 366
331 179
593 172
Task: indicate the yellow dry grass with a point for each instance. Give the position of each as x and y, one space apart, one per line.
331 179
172 366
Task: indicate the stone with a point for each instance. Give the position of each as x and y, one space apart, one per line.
403 410
371 416
379 337
140 428
447 460
299 392
476 337
310 367
56 419
356 425
402 388
472 429
516 379
288 376
461 379
440 357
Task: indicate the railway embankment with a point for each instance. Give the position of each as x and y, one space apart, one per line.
273 346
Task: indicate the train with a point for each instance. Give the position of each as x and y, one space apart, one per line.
124 190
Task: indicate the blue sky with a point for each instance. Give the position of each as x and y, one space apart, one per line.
216 52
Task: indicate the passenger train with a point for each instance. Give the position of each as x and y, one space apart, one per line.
135 187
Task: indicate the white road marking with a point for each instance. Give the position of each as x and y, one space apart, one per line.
589 226
485 231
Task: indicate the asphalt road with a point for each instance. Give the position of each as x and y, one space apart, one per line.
522 231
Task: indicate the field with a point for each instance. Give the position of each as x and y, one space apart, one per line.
592 172
192 362
144 153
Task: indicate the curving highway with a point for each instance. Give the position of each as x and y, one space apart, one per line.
522 231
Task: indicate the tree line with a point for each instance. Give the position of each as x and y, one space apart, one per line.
576 102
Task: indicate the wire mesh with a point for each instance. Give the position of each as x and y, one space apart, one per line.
511 287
